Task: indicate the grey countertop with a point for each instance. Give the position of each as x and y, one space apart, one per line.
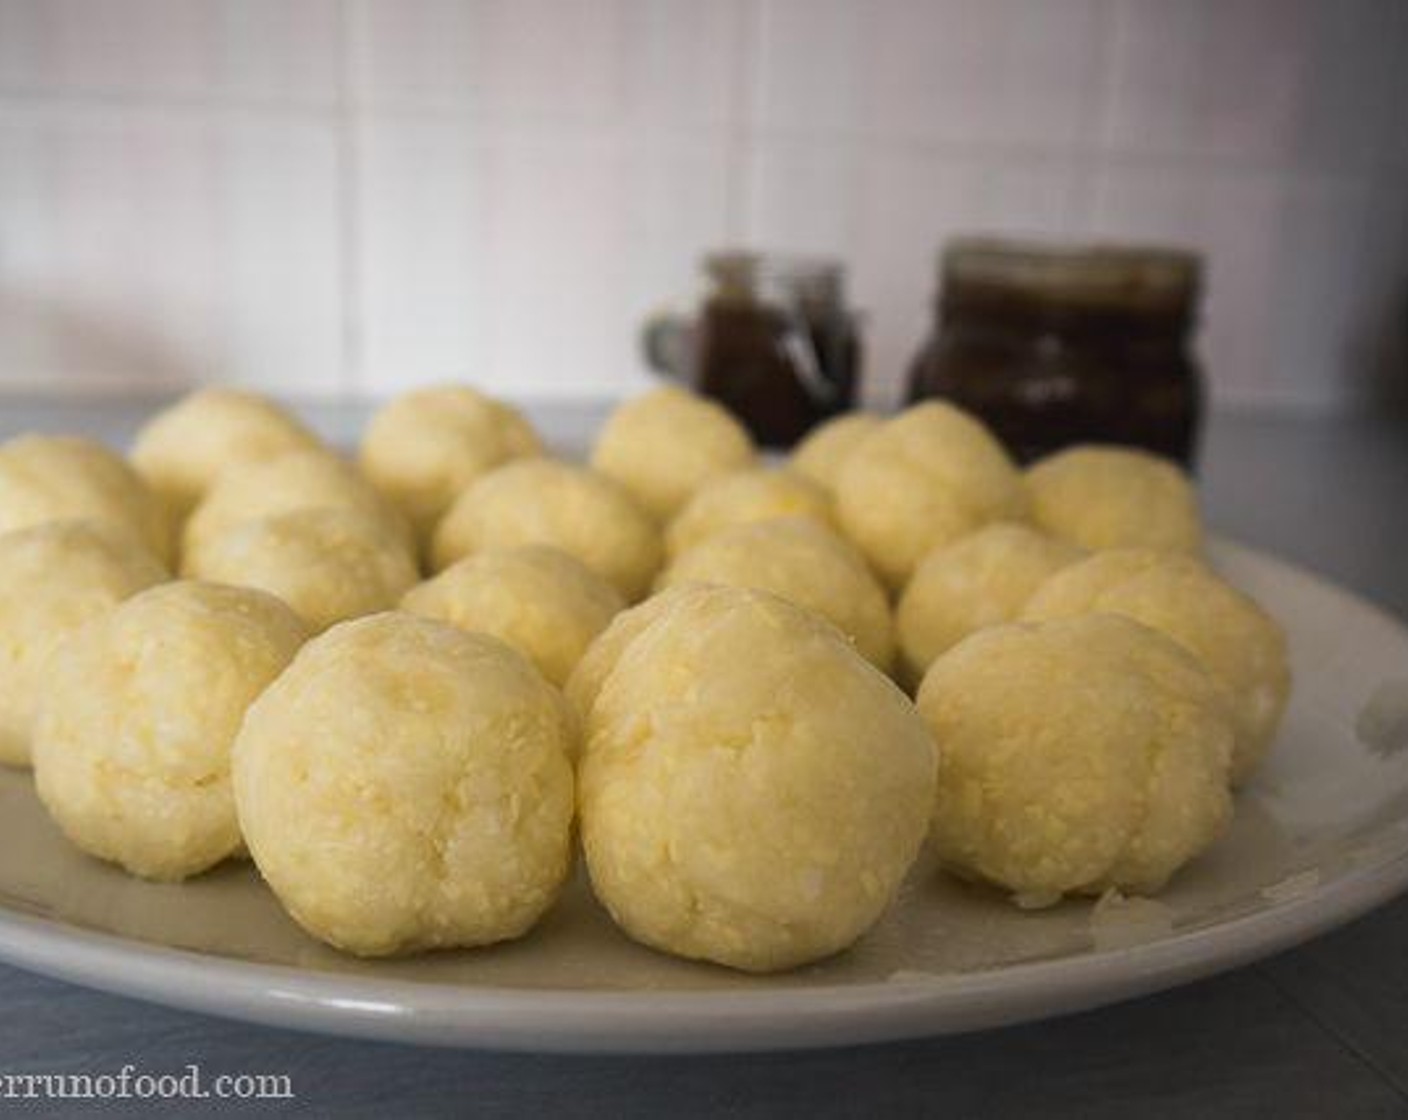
1320 1030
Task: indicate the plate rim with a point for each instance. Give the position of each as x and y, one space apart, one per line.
558 1020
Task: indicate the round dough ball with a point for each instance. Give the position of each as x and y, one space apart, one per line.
664 445
1115 497
596 664
182 449
740 497
425 447
805 564
1075 756
293 481
406 785
1178 595
542 501
924 479
979 580
54 578
60 478
752 791
132 741
821 455
547 605
328 564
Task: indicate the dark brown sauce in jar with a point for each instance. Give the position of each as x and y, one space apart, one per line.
774 343
1056 346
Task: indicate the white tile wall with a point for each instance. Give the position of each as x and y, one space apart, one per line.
351 196
273 51
422 231
983 73
1290 84
144 248
802 196
807 64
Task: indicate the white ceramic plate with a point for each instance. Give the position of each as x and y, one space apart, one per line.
1320 837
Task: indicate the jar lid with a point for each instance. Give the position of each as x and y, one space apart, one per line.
746 274
1141 279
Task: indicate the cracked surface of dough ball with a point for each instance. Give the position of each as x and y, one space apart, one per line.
182 449
1075 756
543 501
977 581
1115 497
927 477
805 564
741 497
132 741
54 578
1178 595
405 785
665 444
752 790
544 603
426 446
60 478
825 450
294 481
328 564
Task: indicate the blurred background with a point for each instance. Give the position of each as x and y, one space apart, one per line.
330 198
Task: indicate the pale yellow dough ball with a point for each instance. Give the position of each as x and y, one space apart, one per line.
1178 595
543 501
425 447
752 790
59 478
182 449
825 450
1115 497
804 563
1075 756
297 480
544 603
132 742
664 445
979 580
406 785
54 578
740 497
328 564
926 478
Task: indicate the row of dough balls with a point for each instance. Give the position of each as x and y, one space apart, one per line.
718 527
264 525
436 458
750 790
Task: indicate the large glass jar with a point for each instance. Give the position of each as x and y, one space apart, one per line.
1054 345
773 342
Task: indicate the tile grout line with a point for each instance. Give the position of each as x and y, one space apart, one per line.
351 377
744 132
743 81
1335 1034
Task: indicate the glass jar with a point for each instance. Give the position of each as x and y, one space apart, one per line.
773 342
1058 345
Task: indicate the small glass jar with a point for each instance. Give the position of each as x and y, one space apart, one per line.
1053 346
773 342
